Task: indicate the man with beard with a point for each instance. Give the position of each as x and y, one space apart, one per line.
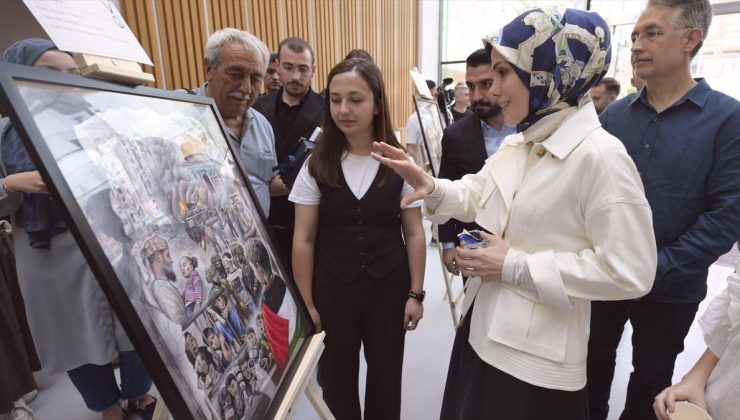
236 62
157 257
470 141
294 112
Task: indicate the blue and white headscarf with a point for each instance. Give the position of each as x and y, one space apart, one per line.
559 57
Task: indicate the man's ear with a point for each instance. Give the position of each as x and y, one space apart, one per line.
693 38
209 70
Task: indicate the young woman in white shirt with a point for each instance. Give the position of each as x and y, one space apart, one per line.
358 258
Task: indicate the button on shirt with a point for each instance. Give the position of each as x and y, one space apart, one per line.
688 157
256 152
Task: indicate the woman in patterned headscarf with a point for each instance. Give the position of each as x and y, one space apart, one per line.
568 223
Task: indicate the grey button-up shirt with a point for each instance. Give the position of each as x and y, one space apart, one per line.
256 152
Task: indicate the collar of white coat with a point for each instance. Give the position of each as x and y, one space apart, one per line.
560 132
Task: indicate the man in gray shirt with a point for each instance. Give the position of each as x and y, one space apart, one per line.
236 62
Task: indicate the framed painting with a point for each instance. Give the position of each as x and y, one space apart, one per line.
430 122
161 208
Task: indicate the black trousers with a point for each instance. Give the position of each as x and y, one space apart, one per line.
370 313
657 338
476 390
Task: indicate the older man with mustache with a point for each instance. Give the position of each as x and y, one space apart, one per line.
236 62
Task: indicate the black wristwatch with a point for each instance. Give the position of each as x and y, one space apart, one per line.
418 296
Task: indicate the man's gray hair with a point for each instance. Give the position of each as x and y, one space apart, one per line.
224 36
692 14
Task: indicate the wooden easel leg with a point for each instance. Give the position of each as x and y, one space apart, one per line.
160 411
448 279
301 383
317 401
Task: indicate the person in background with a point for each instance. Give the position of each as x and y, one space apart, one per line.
272 82
235 62
371 295
72 324
469 142
604 93
461 107
414 137
714 382
560 239
684 138
359 53
294 112
18 358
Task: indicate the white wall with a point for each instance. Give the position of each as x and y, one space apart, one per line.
428 61
17 23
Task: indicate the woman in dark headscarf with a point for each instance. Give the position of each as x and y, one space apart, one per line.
568 223
72 324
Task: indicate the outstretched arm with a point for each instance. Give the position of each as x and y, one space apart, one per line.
404 166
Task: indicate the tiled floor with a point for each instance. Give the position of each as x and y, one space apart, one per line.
425 360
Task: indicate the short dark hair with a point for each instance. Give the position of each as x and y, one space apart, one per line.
610 84
359 53
478 58
273 57
431 85
297 45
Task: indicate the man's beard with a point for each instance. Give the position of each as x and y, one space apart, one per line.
492 111
170 273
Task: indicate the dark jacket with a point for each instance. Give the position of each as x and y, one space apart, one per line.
463 152
286 138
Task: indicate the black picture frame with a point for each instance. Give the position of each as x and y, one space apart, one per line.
432 129
18 85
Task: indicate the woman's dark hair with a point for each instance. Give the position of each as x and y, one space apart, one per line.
359 53
324 163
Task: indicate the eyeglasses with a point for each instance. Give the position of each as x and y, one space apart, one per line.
652 34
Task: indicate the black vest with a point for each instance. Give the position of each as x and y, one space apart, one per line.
360 236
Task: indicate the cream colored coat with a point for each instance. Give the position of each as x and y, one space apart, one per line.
567 198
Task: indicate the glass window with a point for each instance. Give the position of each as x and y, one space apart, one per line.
466 22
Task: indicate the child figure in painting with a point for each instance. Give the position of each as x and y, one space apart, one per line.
222 353
208 376
258 356
193 293
227 322
238 396
356 254
277 306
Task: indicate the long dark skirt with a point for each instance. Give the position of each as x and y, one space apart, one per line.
477 390
18 358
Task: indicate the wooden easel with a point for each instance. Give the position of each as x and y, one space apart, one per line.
453 298
300 384
113 69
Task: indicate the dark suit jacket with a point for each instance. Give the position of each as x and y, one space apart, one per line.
282 211
463 152
286 138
